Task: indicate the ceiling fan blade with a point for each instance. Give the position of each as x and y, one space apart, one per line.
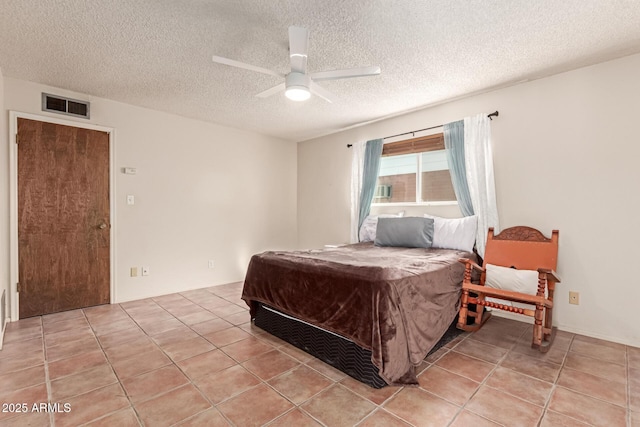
346 74
271 91
232 63
298 48
321 92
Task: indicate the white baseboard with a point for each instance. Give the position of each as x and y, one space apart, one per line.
567 328
4 316
4 326
619 340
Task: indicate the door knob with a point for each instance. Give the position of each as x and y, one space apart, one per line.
102 226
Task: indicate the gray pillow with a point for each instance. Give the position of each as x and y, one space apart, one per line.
409 232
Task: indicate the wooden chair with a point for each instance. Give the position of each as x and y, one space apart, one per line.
523 248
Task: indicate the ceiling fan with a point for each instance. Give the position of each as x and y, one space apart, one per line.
298 84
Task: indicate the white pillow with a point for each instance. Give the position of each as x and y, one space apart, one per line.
510 279
370 224
455 233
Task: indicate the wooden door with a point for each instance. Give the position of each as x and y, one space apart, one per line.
63 217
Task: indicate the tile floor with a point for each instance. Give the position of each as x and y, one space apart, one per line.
193 359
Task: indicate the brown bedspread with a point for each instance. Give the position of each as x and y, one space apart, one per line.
396 302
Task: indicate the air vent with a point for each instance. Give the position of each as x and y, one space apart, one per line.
59 104
383 192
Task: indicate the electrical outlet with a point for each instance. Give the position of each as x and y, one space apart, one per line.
574 297
211 263
145 271
134 271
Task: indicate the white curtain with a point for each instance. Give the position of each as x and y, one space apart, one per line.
357 166
479 166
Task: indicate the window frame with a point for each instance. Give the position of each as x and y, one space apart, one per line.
418 145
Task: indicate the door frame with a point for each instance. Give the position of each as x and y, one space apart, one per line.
13 201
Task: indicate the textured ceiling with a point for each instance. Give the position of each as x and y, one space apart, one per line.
157 53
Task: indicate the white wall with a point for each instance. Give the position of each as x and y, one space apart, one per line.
566 152
203 192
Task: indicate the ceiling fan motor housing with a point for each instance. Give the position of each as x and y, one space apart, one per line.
295 79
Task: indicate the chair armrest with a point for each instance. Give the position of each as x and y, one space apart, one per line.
471 264
548 272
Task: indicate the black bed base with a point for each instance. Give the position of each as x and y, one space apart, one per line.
337 351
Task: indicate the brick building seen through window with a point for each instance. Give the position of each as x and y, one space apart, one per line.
403 162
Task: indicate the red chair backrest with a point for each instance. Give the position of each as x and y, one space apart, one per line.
524 248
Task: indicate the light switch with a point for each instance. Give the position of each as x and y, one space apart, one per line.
130 171
131 200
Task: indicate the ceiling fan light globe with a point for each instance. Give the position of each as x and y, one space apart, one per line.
297 93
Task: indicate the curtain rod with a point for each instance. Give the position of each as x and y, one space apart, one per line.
491 116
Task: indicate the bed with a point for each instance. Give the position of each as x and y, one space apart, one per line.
373 312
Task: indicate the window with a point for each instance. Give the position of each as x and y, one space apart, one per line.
414 171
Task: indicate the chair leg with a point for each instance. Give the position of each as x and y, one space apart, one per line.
464 307
548 332
548 322
543 334
541 339
479 315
